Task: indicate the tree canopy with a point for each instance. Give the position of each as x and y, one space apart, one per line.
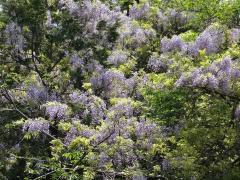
121 89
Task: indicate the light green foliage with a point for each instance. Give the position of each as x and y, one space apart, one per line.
146 126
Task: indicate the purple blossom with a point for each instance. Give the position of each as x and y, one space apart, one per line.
235 73
192 49
93 66
139 12
218 76
124 156
89 14
224 84
36 125
198 79
225 66
177 43
118 57
103 159
76 97
111 84
237 112
37 93
76 61
144 128
139 35
165 45
213 68
82 131
196 74
69 5
55 110
179 18
165 164
121 109
204 41
174 44
211 40
212 82
181 81
170 18
133 34
235 35
14 36
156 64
93 108
139 177
163 22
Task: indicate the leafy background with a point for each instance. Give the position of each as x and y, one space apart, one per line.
122 89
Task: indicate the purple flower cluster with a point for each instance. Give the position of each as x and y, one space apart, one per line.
121 152
93 66
148 131
218 76
36 125
237 112
78 131
120 133
93 107
118 57
209 40
76 61
55 110
112 84
174 44
86 64
90 14
134 35
156 64
121 109
37 93
139 12
235 35
170 18
14 36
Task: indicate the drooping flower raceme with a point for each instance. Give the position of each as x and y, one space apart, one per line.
174 44
170 19
210 40
219 76
91 14
112 84
36 125
76 61
156 63
118 57
235 35
142 12
55 110
92 109
36 93
79 130
14 36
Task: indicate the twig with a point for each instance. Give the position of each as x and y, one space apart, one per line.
44 175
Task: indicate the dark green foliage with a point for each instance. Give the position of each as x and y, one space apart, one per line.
80 99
